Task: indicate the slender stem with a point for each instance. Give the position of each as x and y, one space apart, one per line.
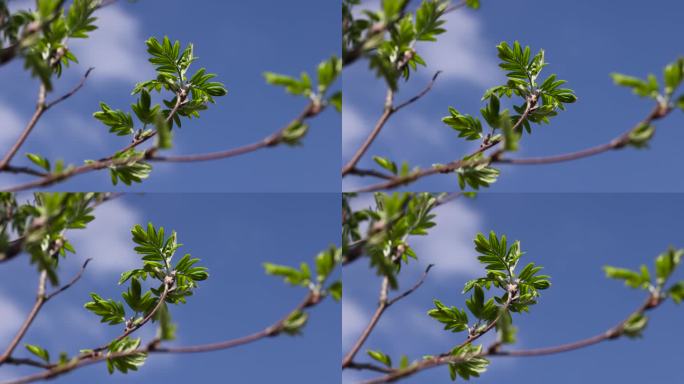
276 328
311 110
147 318
387 111
382 306
40 109
40 300
612 333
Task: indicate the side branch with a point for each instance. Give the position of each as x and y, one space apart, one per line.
274 329
612 333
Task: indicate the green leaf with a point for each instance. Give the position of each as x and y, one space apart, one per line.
38 351
164 135
293 134
476 176
335 290
635 325
386 164
118 122
327 72
643 88
293 276
381 357
454 319
666 263
301 86
632 279
640 136
467 126
110 311
676 292
39 161
129 362
295 322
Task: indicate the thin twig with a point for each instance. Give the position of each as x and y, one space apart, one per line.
40 109
412 289
72 92
612 333
382 306
274 329
40 300
271 140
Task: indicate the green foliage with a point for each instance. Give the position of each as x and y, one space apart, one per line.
129 168
174 283
39 351
131 361
39 226
293 134
39 161
327 73
454 319
381 357
650 87
394 218
295 322
468 363
324 263
476 176
40 36
635 325
640 136
467 126
110 311
392 55
119 122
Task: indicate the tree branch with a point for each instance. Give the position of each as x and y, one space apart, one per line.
612 333
311 110
276 328
619 142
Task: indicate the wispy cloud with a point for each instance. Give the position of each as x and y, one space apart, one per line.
107 238
354 126
11 316
462 53
449 245
116 49
10 126
353 321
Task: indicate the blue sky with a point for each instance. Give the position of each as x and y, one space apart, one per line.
573 236
236 40
232 235
584 42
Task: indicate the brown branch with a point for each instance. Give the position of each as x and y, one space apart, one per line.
145 320
72 92
40 301
414 288
276 328
659 112
382 306
41 108
275 138
311 110
73 281
612 333
388 110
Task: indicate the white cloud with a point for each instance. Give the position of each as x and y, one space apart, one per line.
107 238
10 126
354 128
116 49
449 245
353 321
12 317
462 53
